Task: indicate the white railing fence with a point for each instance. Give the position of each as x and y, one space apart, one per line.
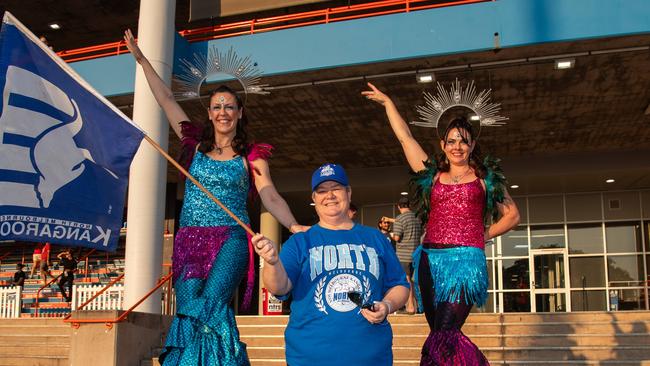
113 298
110 299
10 302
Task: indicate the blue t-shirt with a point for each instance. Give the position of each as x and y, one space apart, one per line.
325 327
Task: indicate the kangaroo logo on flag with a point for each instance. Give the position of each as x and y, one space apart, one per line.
65 151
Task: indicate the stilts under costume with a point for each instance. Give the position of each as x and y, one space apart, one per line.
450 268
211 251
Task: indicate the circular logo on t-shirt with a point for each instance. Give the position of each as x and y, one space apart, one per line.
336 292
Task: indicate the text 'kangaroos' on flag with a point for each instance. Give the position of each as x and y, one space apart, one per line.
65 151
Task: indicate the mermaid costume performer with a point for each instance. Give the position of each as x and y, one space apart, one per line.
211 256
450 268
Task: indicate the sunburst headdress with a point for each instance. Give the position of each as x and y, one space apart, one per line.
484 112
194 73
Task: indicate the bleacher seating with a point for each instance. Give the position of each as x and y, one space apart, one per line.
101 268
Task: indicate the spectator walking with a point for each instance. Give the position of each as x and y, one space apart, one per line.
36 260
407 231
45 263
69 265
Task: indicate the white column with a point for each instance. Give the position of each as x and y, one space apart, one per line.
148 176
272 229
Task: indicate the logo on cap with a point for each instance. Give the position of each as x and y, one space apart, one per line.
326 171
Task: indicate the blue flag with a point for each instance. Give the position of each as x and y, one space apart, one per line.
65 151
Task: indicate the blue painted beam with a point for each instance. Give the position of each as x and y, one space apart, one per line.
442 31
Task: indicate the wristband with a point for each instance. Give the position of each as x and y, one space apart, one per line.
390 307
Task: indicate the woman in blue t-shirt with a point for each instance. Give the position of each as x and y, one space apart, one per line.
344 280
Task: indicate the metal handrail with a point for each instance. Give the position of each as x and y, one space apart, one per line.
38 293
6 254
116 280
76 323
302 19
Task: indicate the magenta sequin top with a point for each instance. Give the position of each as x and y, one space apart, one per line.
456 215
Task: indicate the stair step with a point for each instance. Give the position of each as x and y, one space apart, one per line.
396 362
19 340
43 349
34 361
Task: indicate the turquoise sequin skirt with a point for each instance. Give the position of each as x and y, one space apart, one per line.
457 272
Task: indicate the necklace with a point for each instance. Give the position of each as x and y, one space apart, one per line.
219 149
455 179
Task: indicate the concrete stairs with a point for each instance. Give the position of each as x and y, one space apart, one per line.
591 338
34 342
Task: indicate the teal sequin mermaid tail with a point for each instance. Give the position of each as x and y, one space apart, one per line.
204 331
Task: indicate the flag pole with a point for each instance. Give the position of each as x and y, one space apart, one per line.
201 187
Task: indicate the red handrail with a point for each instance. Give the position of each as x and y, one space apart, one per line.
5 255
117 279
302 19
109 322
38 293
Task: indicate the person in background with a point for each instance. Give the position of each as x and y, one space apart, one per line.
406 232
45 263
69 266
36 260
384 226
19 276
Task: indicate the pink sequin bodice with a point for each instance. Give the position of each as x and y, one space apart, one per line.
456 215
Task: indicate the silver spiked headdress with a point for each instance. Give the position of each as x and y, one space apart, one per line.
194 73
486 113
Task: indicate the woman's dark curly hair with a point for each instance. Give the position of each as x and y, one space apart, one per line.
467 134
240 142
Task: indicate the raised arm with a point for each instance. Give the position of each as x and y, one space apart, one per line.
159 89
509 218
271 199
412 150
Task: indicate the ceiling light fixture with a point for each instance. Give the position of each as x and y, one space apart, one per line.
565 64
514 186
610 180
475 118
404 193
424 78
570 57
54 25
312 204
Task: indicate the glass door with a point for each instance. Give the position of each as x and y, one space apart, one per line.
548 283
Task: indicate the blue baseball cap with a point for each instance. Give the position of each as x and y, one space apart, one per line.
327 172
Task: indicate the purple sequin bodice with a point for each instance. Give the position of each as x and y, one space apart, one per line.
456 215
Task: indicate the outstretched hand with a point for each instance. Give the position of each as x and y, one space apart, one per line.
265 248
133 46
376 95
